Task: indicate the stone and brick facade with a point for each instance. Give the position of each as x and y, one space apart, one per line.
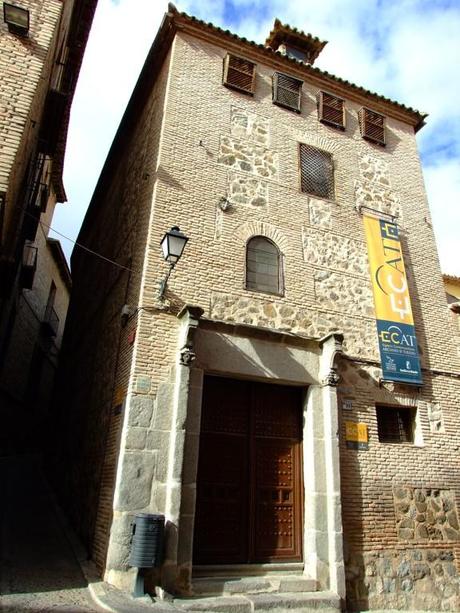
380 523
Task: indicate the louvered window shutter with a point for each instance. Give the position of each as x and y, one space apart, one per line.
331 110
287 91
372 126
239 74
316 172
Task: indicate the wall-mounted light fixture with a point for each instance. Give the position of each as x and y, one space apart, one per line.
17 19
172 244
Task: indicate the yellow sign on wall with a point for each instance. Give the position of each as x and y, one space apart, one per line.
356 435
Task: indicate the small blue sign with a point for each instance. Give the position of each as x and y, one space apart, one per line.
399 352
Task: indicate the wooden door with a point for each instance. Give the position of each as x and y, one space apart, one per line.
249 490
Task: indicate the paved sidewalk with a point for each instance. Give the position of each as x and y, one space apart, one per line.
38 570
43 566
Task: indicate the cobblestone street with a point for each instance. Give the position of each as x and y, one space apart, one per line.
39 571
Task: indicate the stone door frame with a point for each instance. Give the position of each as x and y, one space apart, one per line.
247 353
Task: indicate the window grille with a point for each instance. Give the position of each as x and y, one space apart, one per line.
263 270
331 110
239 74
316 172
29 266
287 91
372 126
395 424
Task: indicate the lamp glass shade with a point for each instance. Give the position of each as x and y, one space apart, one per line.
172 244
16 16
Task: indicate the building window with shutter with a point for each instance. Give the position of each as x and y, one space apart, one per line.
395 424
287 91
372 126
331 110
316 172
239 74
263 266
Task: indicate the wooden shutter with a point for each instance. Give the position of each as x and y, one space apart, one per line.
287 91
331 110
239 74
316 172
372 126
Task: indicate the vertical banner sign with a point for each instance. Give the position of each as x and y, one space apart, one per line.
395 324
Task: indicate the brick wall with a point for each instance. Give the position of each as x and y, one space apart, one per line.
25 66
183 173
30 313
104 351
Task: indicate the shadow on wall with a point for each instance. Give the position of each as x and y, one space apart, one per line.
419 322
240 356
351 493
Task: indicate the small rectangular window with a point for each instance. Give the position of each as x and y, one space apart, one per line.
287 91
372 126
316 172
395 424
331 110
239 74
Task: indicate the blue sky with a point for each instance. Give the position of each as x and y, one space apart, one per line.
407 50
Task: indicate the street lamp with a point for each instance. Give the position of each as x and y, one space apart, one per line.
172 244
17 19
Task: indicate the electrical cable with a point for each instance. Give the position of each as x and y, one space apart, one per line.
99 255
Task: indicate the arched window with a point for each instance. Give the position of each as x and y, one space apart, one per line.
263 266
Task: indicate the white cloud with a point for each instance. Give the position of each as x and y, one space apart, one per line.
404 49
443 187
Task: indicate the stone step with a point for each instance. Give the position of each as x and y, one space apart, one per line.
229 586
325 602
248 570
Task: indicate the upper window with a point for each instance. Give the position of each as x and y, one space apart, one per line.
239 74
287 91
316 172
395 424
372 126
263 266
331 110
296 53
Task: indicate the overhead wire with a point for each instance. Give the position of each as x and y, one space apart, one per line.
99 255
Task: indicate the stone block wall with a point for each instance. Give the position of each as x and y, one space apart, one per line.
426 514
421 579
224 167
244 173
243 180
400 500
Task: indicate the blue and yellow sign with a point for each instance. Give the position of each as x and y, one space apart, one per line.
395 324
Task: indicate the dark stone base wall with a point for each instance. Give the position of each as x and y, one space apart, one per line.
419 579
